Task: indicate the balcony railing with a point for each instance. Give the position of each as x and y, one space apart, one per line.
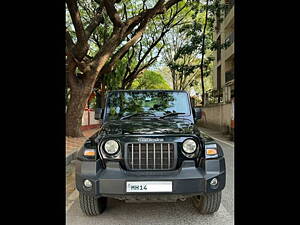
229 75
229 5
230 39
214 96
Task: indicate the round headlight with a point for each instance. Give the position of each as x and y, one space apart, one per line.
111 147
189 146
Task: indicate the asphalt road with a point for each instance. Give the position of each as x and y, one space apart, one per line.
119 212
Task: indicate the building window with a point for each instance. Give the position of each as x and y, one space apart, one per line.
230 39
218 20
229 75
219 77
229 4
219 90
219 48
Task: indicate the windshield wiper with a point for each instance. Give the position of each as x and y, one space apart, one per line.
171 114
136 114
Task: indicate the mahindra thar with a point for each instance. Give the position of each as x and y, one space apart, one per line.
149 149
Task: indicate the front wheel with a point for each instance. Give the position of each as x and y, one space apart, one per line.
208 202
92 206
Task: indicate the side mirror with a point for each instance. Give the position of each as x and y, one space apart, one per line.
197 113
98 113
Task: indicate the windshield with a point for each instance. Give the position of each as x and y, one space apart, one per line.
146 104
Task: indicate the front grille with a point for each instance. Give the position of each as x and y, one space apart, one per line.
150 156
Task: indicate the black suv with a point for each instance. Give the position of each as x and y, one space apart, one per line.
149 149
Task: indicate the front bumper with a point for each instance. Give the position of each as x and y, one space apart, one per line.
188 180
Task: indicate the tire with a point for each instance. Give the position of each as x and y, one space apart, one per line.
92 206
208 203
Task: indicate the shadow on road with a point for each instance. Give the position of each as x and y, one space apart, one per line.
119 212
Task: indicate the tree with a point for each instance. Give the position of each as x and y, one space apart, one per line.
150 80
145 51
83 65
203 53
198 36
184 66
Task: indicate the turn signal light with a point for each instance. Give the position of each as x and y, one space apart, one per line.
211 151
89 152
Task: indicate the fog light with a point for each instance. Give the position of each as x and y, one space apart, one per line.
87 183
214 182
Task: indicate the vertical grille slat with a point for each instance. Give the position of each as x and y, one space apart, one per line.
161 156
132 156
139 156
150 156
154 156
169 156
147 156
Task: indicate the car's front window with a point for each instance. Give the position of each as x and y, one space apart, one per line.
146 104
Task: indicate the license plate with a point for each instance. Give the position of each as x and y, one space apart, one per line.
149 186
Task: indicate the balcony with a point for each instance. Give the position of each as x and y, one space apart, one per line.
229 76
228 52
230 39
214 96
229 5
229 17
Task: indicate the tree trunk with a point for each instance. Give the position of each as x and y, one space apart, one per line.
174 79
202 56
81 89
79 95
76 105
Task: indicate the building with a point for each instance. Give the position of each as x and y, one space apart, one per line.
223 75
219 104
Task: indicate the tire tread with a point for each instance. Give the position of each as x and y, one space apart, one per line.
208 202
92 206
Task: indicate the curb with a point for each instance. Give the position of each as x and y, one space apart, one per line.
73 196
217 139
71 156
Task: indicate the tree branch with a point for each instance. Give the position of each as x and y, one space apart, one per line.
122 51
137 70
76 20
119 35
69 42
112 13
95 22
159 8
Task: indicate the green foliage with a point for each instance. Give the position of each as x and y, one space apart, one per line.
190 20
114 79
147 49
150 80
186 56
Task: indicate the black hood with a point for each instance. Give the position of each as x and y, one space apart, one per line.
146 126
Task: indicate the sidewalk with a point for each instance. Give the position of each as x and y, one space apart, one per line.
74 144
217 134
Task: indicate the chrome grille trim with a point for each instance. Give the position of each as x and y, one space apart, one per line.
150 156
